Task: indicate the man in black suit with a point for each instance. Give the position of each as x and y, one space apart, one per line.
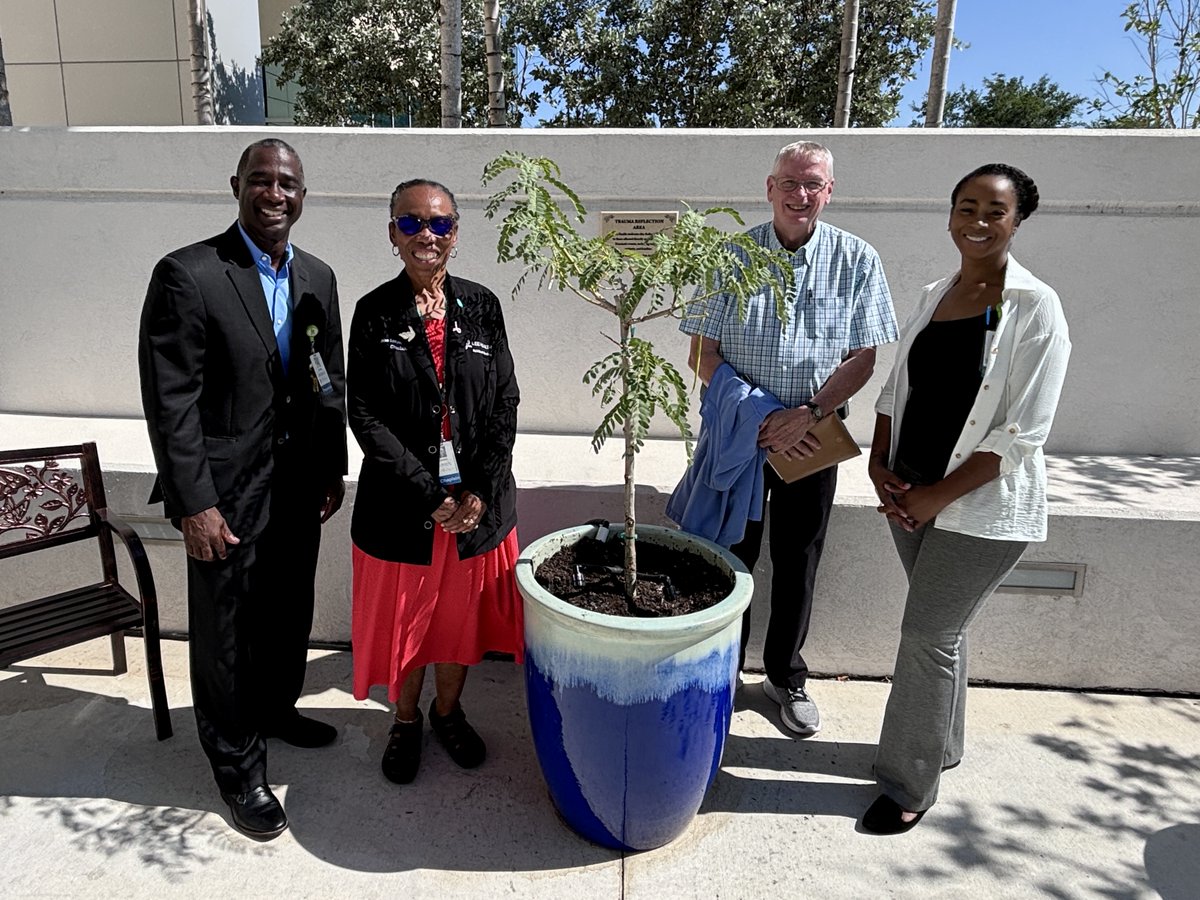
243 388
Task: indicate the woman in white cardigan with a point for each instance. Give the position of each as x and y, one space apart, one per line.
957 463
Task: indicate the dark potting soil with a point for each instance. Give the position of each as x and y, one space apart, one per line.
696 584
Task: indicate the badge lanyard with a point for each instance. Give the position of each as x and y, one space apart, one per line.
316 365
448 463
448 473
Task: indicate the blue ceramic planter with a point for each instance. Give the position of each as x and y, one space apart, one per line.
629 716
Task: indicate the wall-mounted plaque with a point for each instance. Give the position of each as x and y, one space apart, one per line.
635 230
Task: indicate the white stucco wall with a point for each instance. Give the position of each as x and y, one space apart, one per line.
85 213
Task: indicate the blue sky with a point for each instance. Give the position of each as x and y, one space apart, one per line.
1072 41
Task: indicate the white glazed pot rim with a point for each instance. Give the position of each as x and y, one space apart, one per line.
733 605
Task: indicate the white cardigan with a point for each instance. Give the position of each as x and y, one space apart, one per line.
1013 410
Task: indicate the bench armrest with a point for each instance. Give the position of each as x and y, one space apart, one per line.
141 564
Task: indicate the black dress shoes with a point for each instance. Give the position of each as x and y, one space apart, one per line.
257 813
301 731
883 817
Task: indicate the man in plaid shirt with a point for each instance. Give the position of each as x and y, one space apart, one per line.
840 309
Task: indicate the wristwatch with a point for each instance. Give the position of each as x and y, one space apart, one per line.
817 413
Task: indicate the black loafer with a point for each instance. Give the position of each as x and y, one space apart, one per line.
257 813
402 757
455 733
883 817
301 731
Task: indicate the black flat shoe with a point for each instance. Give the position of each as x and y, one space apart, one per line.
883 817
257 813
301 731
402 757
455 733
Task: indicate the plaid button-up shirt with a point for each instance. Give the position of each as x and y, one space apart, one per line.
839 302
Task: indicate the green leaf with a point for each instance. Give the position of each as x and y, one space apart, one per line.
692 262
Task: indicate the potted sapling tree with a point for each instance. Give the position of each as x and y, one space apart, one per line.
630 700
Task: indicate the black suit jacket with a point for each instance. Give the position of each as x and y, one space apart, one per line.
395 410
223 416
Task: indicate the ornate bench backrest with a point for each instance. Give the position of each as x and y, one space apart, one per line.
43 502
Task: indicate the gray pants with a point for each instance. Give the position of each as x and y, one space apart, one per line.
949 577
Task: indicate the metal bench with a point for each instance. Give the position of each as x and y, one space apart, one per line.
44 505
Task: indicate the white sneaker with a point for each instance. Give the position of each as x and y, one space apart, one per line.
796 708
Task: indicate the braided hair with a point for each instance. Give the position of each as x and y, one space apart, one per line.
1023 186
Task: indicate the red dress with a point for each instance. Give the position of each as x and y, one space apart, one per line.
405 616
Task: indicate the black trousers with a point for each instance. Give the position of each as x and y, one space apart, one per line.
249 618
799 519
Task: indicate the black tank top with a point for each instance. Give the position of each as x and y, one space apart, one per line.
943 379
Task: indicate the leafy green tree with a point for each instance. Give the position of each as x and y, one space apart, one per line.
787 54
1010 103
712 63
358 59
1165 95
631 63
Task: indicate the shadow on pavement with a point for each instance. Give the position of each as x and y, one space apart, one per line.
81 757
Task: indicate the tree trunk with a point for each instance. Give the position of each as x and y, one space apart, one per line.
630 457
939 71
201 68
450 26
495 63
841 116
5 109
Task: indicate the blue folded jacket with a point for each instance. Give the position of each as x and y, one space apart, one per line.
723 487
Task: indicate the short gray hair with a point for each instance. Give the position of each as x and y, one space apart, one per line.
806 149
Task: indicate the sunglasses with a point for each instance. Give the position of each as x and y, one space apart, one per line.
438 225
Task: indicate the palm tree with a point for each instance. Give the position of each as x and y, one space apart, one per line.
201 75
939 72
841 115
5 109
450 27
495 63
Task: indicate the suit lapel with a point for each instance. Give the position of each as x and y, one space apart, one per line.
242 272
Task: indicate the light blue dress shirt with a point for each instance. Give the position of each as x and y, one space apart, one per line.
277 289
840 302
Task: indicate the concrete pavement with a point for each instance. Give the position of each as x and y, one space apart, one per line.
1060 795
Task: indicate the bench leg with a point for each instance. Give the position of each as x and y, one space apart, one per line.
120 664
158 689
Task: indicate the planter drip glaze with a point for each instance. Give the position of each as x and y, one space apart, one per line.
629 715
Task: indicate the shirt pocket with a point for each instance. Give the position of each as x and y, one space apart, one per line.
827 320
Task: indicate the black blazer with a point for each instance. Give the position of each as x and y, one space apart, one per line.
223 416
395 412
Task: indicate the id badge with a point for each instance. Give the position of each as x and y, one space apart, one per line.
321 380
448 464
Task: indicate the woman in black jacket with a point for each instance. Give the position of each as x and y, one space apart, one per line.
432 400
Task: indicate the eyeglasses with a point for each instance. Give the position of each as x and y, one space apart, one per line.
438 225
790 185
